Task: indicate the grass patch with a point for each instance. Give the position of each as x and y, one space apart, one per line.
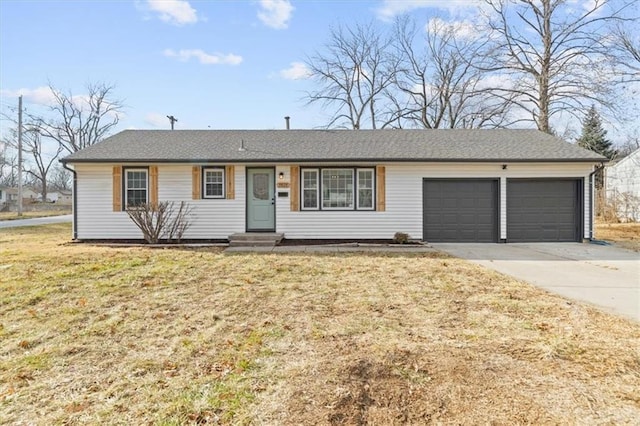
96 335
625 235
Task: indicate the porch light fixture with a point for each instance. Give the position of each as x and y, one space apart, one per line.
281 175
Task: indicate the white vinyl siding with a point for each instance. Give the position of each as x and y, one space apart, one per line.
218 220
404 200
136 187
209 220
622 185
213 182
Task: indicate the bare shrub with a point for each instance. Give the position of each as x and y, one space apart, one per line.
401 238
615 206
179 224
161 220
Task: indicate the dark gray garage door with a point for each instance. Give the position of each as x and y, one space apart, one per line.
543 210
460 210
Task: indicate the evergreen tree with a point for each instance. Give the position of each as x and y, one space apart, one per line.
594 137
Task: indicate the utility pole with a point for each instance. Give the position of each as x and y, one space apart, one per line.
172 119
20 155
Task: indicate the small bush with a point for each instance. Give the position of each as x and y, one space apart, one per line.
400 238
161 220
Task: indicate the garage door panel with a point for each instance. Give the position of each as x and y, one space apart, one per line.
460 210
543 210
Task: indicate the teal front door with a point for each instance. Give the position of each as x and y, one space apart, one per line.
261 208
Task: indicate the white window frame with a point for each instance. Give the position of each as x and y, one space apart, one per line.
353 187
373 188
317 188
355 183
127 170
204 182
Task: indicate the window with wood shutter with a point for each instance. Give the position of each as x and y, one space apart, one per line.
136 186
213 182
339 188
365 184
310 194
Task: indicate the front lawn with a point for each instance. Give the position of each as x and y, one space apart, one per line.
97 335
625 235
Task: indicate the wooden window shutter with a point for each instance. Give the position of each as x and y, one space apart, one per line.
153 186
381 200
294 195
230 179
195 183
117 188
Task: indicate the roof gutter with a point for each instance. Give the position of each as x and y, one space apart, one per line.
327 160
74 203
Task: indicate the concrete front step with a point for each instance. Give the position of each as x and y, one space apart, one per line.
249 243
255 239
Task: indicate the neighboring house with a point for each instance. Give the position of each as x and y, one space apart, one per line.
622 187
28 194
10 195
52 196
435 185
63 197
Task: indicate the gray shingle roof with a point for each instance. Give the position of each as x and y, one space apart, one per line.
282 146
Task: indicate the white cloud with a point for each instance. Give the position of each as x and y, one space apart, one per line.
204 58
296 71
392 8
275 13
40 95
176 12
157 120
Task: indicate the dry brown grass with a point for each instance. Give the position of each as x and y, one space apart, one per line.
95 335
625 235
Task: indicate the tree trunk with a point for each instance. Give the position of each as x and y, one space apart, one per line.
44 190
545 69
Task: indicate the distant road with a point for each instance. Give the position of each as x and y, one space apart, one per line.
35 221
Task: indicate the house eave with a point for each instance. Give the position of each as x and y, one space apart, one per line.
329 160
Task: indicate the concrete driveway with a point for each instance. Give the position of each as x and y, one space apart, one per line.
35 221
605 276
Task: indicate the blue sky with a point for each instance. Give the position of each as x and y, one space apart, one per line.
219 64
211 64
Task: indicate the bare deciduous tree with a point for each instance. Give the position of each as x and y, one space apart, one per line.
43 161
626 40
353 72
441 86
78 122
7 163
555 52
60 178
39 157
